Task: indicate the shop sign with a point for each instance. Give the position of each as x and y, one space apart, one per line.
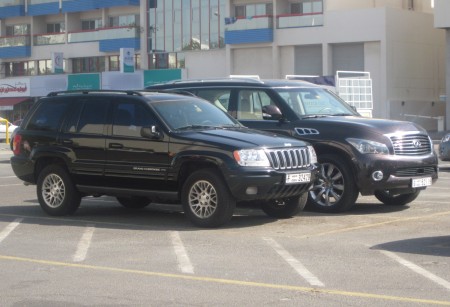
83 82
14 87
155 76
126 60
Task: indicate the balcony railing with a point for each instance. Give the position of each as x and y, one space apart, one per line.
14 41
103 34
49 39
249 23
299 20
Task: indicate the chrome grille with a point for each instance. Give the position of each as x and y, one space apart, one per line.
292 158
415 171
411 144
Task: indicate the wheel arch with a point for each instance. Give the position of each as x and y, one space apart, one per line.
44 161
324 149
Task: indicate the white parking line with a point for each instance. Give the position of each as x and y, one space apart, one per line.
8 229
184 263
83 244
8 185
297 265
418 269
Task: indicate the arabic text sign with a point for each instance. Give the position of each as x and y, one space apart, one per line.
19 87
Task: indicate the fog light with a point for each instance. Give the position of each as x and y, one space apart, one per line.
251 190
377 175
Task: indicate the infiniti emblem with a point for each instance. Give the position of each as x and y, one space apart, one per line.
417 143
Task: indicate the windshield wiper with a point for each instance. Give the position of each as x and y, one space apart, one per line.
316 116
188 127
342 114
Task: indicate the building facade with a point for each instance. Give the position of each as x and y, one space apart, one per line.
396 41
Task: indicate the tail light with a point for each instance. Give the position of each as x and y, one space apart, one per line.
16 144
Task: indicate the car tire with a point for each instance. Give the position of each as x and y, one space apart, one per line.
395 199
206 200
284 208
335 189
134 202
56 191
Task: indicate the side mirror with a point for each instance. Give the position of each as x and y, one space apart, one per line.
272 112
151 132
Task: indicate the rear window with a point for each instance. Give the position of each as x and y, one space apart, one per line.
48 115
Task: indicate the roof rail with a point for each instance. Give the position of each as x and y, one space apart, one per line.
248 78
256 77
85 92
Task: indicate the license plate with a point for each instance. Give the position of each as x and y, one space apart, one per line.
298 177
421 182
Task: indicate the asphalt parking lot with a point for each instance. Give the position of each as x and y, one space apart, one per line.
106 255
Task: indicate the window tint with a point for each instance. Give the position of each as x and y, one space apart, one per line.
129 118
49 115
93 116
219 97
250 104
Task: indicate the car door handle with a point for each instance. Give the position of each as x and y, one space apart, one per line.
115 145
67 142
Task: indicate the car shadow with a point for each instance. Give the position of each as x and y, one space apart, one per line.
362 209
434 246
110 214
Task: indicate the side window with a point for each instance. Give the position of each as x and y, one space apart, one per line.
49 115
129 118
219 97
251 104
93 116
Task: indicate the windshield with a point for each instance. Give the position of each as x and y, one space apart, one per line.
314 101
193 114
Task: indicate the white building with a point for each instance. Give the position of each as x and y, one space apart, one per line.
399 42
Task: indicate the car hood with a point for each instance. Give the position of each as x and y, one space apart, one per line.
359 125
240 138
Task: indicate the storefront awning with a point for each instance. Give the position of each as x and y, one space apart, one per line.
10 101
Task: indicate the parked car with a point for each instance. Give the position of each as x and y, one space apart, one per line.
142 147
444 148
393 160
11 129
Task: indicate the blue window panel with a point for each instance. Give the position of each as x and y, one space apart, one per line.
78 6
108 45
111 3
249 36
12 11
43 9
88 5
15 52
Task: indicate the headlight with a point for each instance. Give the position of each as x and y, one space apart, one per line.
312 155
251 157
368 147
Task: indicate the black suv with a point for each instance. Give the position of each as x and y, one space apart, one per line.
142 147
393 160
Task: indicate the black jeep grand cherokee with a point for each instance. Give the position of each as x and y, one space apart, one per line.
392 160
142 147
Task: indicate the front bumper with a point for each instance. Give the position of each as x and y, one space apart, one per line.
398 172
247 184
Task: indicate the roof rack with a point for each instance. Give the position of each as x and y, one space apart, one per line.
85 92
248 78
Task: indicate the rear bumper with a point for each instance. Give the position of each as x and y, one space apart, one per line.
23 168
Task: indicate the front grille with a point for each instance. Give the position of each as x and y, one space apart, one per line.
289 159
411 144
415 171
